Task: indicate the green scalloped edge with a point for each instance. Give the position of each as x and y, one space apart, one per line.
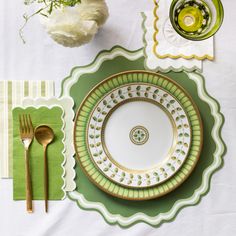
102 54
158 68
126 222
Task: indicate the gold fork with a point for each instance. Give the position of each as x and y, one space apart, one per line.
27 135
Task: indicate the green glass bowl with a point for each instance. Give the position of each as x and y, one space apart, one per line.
196 19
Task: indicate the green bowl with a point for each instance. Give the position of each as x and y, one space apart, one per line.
196 19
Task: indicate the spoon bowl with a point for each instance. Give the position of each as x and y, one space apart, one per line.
44 135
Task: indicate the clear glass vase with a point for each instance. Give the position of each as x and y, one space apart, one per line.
196 19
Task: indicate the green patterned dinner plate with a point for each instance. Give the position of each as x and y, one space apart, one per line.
134 131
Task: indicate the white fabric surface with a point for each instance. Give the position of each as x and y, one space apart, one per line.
40 58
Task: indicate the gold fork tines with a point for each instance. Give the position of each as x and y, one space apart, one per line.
27 136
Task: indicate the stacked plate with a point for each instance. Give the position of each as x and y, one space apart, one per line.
138 135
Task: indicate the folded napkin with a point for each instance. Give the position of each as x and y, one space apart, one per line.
152 62
169 44
11 95
67 104
52 117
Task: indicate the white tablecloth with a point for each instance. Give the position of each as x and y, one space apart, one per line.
41 58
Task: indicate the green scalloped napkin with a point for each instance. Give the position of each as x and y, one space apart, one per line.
53 118
164 204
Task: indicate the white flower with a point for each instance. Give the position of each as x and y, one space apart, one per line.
94 10
74 26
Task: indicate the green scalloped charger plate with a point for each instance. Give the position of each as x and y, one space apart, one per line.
164 209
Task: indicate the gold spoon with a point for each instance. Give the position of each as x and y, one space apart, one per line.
45 135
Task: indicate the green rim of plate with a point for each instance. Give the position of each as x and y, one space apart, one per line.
82 118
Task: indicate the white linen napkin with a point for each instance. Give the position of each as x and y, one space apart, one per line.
169 44
152 62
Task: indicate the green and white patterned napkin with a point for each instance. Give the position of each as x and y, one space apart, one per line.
11 95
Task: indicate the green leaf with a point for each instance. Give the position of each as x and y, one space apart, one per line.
186 135
179 127
183 152
50 8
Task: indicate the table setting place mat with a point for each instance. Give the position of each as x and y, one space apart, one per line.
96 192
163 76
12 93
